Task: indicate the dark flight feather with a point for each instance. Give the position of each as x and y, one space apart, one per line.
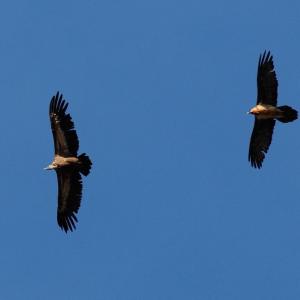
266 80
65 137
261 139
69 197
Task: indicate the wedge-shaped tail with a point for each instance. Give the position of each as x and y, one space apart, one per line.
86 164
289 114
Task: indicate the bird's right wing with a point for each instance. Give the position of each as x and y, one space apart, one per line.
261 139
266 80
65 137
69 197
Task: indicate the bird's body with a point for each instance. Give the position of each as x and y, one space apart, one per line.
60 162
67 164
266 111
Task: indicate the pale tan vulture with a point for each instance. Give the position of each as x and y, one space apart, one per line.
67 164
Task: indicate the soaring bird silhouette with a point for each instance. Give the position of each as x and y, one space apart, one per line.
66 163
266 111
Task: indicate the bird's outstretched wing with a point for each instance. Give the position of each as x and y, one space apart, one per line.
266 80
69 197
64 135
261 139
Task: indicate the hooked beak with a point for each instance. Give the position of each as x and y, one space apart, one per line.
48 168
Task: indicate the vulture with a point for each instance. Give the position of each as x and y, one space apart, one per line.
266 111
67 164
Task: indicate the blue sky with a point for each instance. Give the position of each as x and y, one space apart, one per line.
158 91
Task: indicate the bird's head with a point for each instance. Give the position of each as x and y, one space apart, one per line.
253 111
51 167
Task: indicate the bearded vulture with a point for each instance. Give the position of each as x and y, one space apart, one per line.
266 111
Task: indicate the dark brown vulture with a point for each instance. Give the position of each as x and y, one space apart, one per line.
66 163
266 111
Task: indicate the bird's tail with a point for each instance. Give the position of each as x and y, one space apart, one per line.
86 164
289 114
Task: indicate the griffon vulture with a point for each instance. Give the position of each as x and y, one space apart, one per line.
66 163
266 111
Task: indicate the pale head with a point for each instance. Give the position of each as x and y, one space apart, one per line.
52 166
253 111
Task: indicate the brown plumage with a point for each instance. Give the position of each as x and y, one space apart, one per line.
66 163
266 111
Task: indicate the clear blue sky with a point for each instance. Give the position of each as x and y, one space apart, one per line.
159 92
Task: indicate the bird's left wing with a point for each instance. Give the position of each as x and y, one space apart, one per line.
69 197
261 139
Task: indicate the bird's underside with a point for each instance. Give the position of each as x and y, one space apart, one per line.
264 111
60 161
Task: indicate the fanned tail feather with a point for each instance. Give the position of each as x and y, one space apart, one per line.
86 164
289 114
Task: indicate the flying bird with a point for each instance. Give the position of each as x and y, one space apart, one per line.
266 111
66 163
